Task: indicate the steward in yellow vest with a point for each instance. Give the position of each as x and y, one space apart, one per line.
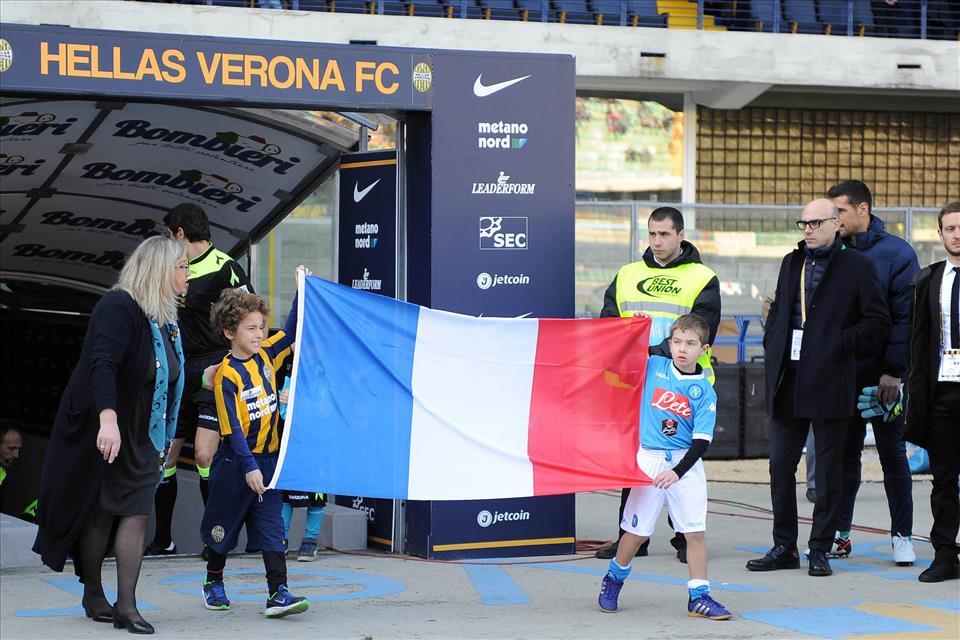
666 287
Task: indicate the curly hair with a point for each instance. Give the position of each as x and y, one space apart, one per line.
232 307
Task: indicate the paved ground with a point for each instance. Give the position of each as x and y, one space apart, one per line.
378 596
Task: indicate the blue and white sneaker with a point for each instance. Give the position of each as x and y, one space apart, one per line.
283 603
707 607
215 596
609 593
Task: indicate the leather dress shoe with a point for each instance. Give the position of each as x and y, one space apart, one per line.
610 551
818 565
141 626
779 557
940 571
97 616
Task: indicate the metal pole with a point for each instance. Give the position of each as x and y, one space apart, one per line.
398 543
849 17
776 16
700 15
923 19
634 233
362 142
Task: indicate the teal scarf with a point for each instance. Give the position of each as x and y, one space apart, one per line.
163 418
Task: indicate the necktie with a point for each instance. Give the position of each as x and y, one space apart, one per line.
955 310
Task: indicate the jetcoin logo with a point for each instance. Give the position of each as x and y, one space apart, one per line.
659 286
503 186
485 518
508 135
422 77
140 227
489 281
6 55
366 283
33 123
482 91
365 235
208 186
503 232
251 149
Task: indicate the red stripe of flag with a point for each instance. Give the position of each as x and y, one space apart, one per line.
585 405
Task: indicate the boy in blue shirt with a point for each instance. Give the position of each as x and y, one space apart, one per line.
247 409
677 419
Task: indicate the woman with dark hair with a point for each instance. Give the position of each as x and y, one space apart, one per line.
113 427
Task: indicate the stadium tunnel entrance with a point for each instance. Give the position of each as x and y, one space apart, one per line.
103 131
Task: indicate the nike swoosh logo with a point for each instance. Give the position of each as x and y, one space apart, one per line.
360 195
482 91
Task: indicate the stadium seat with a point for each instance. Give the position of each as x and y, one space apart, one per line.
573 11
863 16
350 6
643 13
833 15
801 16
763 13
499 9
430 8
531 10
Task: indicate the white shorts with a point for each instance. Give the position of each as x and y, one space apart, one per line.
686 499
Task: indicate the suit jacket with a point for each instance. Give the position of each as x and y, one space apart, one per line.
846 317
923 351
116 361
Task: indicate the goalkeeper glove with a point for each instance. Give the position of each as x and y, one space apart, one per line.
870 406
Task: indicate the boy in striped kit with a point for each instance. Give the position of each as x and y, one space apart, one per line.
677 419
247 409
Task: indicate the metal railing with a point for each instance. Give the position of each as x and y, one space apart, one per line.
922 19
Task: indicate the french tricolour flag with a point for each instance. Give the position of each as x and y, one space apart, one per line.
393 400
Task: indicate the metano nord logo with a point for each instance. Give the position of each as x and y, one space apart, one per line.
422 77
658 286
6 55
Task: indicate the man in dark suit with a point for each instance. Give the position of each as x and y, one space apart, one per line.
933 390
828 308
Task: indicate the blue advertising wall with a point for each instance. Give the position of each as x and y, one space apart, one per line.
489 184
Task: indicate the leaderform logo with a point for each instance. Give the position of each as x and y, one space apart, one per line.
503 186
6 55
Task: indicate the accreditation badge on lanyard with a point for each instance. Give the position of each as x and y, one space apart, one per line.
950 367
797 337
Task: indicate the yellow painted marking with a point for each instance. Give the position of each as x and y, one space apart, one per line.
380 540
502 543
368 163
948 623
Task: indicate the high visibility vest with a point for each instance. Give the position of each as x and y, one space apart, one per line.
665 295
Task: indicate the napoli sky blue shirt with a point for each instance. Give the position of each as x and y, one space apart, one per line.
677 407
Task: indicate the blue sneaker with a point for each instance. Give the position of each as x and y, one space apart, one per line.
284 603
707 607
609 592
215 596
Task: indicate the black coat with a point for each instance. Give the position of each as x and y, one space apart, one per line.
923 351
116 361
847 316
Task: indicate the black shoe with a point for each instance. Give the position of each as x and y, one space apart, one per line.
812 495
104 615
679 543
154 549
682 554
940 571
609 552
779 557
141 626
818 565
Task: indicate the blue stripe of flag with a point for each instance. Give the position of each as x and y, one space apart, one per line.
350 430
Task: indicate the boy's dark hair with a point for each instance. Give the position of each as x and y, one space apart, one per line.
953 207
191 219
855 191
232 307
663 213
692 322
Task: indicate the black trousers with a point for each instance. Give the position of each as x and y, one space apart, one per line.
788 434
943 445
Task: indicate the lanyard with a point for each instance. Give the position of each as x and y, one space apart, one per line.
803 294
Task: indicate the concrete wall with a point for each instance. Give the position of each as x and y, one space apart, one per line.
721 69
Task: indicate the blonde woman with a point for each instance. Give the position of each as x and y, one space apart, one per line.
114 424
